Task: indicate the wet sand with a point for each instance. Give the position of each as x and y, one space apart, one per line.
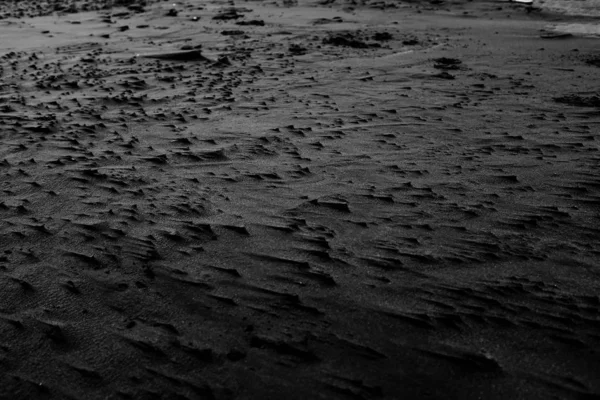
268 200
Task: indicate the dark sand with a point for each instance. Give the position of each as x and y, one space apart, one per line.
298 201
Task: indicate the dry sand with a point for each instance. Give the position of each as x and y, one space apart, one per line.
298 201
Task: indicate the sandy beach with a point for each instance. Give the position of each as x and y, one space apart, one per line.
298 200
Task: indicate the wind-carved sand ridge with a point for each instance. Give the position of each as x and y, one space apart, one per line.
283 200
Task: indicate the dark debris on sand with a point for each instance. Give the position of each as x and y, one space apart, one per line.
297 49
34 8
191 55
252 22
448 63
595 61
383 36
348 39
230 14
579 101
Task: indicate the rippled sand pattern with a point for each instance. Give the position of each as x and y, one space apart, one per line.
299 201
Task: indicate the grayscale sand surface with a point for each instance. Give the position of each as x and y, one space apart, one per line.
298 200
